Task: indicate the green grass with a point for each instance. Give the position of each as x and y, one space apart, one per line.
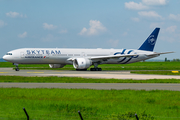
156 72
44 104
79 80
35 66
64 104
8 64
133 66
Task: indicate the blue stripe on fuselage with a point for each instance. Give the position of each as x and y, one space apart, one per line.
125 57
120 52
123 51
122 60
129 51
128 60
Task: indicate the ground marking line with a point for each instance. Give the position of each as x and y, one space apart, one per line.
35 72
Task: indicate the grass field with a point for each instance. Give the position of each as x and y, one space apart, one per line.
64 104
44 104
79 80
156 72
133 66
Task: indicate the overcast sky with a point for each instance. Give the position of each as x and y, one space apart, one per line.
89 24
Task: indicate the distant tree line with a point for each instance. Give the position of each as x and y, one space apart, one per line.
174 60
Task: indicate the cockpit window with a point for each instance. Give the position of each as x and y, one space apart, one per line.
8 53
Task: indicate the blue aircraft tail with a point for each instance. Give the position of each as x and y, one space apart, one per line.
150 42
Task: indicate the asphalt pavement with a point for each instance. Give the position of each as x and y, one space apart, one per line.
90 74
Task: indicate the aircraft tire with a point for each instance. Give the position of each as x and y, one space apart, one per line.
81 69
17 69
92 69
95 69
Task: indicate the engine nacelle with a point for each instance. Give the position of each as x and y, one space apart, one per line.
82 63
56 65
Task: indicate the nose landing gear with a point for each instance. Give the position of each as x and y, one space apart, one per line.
16 69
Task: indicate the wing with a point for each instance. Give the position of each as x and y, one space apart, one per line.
125 55
106 57
99 58
112 56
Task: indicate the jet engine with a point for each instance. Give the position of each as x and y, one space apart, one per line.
56 65
81 63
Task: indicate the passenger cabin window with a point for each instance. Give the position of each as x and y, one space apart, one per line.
8 53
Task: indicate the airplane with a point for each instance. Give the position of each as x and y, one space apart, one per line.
82 59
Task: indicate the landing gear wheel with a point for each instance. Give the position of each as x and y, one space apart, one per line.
95 69
81 69
99 69
92 69
17 69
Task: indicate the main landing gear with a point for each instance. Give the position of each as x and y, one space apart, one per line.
95 68
16 69
81 69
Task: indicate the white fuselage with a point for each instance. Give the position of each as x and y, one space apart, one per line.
61 56
82 59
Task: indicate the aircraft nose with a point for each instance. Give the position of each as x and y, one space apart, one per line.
5 57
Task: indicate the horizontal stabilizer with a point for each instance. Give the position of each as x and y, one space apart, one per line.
159 53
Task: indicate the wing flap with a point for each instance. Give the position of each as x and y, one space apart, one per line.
112 56
106 57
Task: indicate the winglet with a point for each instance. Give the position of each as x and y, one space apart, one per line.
150 42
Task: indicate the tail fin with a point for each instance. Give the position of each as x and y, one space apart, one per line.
150 42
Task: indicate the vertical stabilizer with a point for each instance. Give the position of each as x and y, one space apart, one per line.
150 42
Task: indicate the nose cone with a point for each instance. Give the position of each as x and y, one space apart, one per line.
5 57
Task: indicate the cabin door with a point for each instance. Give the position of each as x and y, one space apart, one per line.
22 55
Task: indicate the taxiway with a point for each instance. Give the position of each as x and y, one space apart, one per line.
98 86
90 74
85 74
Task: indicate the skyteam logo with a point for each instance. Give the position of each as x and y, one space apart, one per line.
124 60
151 40
33 52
